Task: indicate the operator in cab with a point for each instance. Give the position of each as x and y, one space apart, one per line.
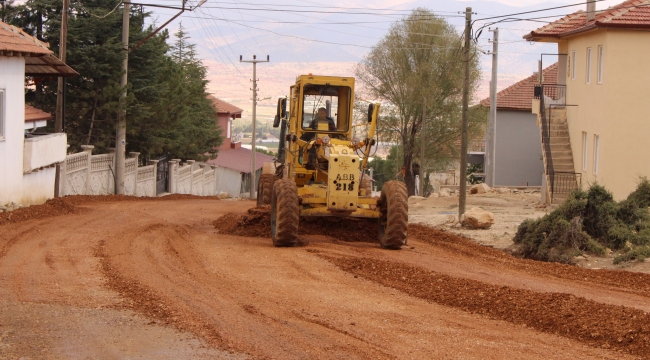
322 116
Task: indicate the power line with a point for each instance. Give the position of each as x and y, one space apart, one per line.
320 11
97 16
540 10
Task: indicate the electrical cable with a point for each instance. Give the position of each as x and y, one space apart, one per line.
333 43
97 16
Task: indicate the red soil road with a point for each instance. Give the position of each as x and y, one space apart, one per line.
118 277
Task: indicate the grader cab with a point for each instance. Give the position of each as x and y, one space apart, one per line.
321 164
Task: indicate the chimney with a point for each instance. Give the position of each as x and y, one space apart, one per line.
591 10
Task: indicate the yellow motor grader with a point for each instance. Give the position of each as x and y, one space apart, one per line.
320 167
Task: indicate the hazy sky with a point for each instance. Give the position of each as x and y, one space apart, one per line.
330 37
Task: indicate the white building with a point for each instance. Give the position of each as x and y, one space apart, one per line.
27 165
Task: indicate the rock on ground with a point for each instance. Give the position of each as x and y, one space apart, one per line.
478 218
479 188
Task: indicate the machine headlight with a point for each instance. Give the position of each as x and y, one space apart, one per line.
355 141
325 139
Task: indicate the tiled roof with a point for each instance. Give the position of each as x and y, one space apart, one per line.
239 159
33 114
13 39
224 107
633 14
520 95
39 60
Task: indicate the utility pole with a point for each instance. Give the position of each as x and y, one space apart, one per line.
464 137
422 138
58 121
492 125
254 62
63 39
120 132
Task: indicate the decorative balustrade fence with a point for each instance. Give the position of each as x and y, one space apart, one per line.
87 174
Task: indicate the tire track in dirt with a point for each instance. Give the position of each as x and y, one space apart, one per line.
173 287
154 305
256 223
586 321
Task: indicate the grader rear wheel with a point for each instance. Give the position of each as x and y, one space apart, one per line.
265 189
285 213
393 221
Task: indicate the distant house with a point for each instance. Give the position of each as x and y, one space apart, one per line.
604 75
234 162
27 164
226 113
518 151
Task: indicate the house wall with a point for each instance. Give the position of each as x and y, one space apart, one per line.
518 159
614 110
223 122
228 180
38 186
12 80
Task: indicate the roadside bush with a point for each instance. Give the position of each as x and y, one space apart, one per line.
638 254
590 222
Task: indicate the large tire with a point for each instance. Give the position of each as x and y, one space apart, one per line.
393 220
285 213
265 189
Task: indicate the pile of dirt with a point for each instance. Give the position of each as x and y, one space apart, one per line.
633 282
257 223
586 321
68 205
52 207
87 199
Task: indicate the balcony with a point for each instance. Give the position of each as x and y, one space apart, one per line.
43 151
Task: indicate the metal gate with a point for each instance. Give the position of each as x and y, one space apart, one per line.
162 174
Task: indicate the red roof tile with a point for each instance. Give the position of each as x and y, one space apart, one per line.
519 96
224 107
33 114
13 39
634 14
39 60
239 159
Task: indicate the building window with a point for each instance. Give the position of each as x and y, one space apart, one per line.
600 64
584 151
573 65
229 127
596 145
588 65
2 114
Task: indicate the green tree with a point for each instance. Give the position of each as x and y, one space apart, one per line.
419 58
181 121
167 112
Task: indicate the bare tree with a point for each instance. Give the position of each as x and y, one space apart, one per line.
421 56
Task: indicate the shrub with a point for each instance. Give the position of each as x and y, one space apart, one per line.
589 221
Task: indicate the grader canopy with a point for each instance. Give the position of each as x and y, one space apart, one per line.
321 164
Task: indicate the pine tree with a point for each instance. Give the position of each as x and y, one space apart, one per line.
167 112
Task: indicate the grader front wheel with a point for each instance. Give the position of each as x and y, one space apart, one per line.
393 221
265 189
285 213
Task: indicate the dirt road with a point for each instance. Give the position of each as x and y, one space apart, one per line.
154 278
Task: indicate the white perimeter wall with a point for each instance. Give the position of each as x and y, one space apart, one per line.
12 80
38 186
228 180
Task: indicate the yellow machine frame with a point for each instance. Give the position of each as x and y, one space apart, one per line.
333 191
